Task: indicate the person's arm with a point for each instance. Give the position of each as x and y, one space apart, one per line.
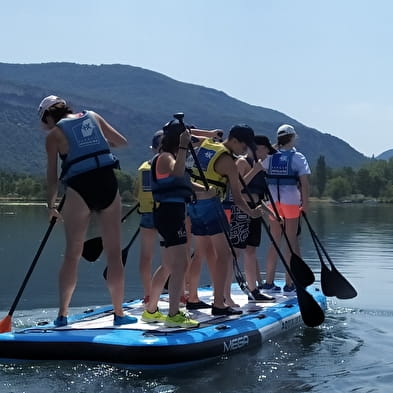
176 167
51 172
215 134
225 166
304 191
249 174
180 163
114 138
301 165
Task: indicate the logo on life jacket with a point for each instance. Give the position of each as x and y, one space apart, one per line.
86 133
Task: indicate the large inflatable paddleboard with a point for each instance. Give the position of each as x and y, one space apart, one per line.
91 336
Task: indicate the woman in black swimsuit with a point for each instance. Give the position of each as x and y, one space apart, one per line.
82 140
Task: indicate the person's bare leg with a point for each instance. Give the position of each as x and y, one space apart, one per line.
291 226
251 266
228 282
157 284
76 216
175 261
258 273
109 220
220 274
148 238
271 259
194 273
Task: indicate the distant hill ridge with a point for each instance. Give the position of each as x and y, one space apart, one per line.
137 102
387 155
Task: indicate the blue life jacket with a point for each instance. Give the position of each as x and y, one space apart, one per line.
88 148
280 170
171 188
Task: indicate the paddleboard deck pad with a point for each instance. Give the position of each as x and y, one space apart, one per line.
91 336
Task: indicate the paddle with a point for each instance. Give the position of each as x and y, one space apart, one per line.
6 323
92 248
332 281
300 269
311 312
124 252
238 273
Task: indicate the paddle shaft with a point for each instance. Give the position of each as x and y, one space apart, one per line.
253 204
314 236
298 266
129 212
311 312
35 260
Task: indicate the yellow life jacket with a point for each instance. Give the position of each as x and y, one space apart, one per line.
207 155
145 196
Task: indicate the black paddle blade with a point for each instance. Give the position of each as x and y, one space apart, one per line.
301 271
92 249
342 287
328 284
312 313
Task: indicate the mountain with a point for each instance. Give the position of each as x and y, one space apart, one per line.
386 155
137 102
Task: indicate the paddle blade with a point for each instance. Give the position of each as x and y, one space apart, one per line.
92 249
301 271
312 313
328 284
344 290
5 324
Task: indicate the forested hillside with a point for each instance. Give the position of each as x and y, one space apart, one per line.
137 102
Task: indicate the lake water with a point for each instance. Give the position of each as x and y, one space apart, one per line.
350 352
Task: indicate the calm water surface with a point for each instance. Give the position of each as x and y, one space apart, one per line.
350 352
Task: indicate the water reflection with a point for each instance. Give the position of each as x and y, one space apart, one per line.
348 353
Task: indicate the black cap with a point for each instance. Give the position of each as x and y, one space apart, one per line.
264 140
243 133
173 127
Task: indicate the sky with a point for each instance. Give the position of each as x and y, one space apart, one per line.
327 64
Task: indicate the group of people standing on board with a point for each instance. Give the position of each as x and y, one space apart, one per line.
197 187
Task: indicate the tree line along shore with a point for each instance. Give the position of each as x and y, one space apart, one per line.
372 182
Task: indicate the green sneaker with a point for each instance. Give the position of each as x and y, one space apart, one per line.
181 320
153 317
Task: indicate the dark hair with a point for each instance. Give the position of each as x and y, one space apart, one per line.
170 142
171 138
284 139
57 112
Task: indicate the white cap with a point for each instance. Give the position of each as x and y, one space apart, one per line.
286 129
47 102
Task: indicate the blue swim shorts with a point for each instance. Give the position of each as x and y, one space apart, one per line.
207 217
147 221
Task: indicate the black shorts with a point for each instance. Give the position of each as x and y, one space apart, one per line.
245 231
169 219
98 187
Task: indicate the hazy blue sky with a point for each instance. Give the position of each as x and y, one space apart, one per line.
328 64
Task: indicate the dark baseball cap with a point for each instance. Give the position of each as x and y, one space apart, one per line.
243 133
173 127
264 141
